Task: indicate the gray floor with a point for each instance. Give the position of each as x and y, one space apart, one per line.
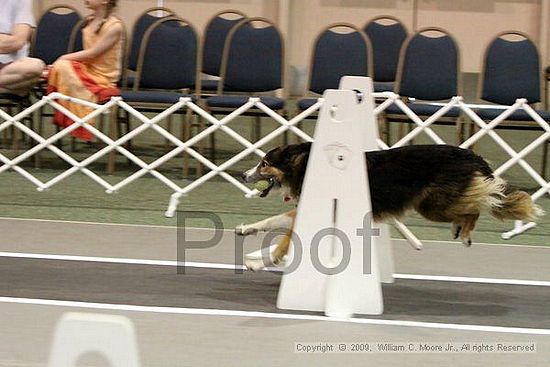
182 334
146 285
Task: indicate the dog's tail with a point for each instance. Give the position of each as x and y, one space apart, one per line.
517 205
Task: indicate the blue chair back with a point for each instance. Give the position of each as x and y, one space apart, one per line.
144 21
53 33
337 54
386 39
429 66
215 35
511 70
253 59
168 56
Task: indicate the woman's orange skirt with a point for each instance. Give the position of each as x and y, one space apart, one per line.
74 79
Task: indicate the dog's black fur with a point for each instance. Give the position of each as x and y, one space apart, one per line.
396 176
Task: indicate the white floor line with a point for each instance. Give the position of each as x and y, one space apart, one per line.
231 230
443 278
269 315
206 265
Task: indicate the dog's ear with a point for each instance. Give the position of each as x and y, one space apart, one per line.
273 156
300 159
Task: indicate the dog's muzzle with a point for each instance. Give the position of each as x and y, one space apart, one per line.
253 175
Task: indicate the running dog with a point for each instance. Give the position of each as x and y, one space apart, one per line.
442 183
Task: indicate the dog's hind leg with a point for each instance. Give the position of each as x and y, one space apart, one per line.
464 228
456 228
281 221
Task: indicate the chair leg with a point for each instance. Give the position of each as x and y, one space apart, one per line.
36 121
58 142
128 129
460 131
300 126
169 128
544 159
185 134
212 138
387 128
285 133
257 129
14 145
113 134
200 126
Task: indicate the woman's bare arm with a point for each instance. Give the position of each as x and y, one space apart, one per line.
101 46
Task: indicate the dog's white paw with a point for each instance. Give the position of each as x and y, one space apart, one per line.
244 230
466 241
255 265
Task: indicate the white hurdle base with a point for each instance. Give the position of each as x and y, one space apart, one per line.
111 336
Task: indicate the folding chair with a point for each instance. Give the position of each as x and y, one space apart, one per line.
340 49
511 70
253 64
428 71
215 34
51 39
166 69
387 35
142 24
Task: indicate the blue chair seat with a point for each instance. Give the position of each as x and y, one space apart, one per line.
237 101
383 86
520 115
209 85
422 109
306 103
154 96
13 97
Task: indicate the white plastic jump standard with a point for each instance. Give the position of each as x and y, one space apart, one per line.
111 336
335 197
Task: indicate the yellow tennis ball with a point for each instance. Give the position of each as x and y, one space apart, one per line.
262 185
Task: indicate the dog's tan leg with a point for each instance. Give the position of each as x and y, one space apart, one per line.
468 228
281 221
280 250
282 247
456 227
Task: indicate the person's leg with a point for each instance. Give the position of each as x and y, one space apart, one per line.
19 76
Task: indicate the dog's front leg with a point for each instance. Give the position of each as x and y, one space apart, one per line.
281 221
280 250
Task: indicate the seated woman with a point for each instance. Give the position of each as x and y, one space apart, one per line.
18 73
90 74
